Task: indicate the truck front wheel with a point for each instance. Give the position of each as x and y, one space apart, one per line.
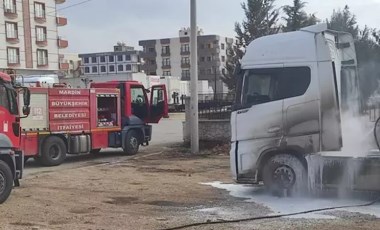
6 181
53 151
132 143
285 172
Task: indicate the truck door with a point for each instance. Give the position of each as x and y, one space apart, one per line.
158 104
258 118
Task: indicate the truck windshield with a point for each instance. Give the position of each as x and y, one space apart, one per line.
265 85
8 98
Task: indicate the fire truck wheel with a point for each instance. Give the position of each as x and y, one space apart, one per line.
6 181
285 173
95 151
53 151
132 143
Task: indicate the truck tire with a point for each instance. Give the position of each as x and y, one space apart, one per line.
95 151
285 172
6 181
53 151
132 143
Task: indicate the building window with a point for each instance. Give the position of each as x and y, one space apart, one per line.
202 59
209 45
112 68
202 46
103 69
223 46
209 58
209 71
10 6
202 71
185 73
120 57
128 67
42 57
166 62
185 48
185 60
86 60
223 58
94 69
102 59
167 73
40 34
11 30
39 10
151 50
87 69
152 62
13 55
93 60
111 58
127 57
166 50
120 68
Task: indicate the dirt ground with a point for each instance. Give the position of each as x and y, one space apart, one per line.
158 189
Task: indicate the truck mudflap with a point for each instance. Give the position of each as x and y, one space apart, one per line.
19 163
344 173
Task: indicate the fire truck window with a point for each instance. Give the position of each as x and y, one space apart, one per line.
138 102
158 102
4 102
265 85
107 111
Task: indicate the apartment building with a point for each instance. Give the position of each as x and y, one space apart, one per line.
70 65
171 57
123 60
29 38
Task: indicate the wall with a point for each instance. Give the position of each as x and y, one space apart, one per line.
210 131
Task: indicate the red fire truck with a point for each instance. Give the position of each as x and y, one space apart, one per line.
11 158
107 115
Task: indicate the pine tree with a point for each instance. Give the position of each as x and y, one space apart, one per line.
296 18
261 19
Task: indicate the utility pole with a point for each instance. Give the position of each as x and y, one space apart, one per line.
194 78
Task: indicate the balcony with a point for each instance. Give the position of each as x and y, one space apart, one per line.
185 52
12 37
60 1
41 40
165 54
10 11
61 21
62 43
64 66
166 66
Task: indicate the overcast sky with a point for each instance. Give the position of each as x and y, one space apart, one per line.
97 25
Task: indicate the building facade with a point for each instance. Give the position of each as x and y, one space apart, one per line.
171 57
123 60
29 37
70 65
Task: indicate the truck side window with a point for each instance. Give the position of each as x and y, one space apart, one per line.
4 102
139 104
8 100
265 85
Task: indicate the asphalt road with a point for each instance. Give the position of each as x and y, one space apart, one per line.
167 132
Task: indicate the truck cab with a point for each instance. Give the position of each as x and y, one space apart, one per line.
11 158
292 91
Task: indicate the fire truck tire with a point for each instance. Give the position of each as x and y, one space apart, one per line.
53 151
95 151
6 181
132 143
285 172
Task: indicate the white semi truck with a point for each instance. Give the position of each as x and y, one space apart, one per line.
295 92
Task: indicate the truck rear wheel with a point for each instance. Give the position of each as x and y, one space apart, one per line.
132 143
53 151
6 181
285 172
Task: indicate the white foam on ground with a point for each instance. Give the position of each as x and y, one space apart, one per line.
286 205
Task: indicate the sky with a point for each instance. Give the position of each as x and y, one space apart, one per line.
97 25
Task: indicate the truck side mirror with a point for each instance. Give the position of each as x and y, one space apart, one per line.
26 96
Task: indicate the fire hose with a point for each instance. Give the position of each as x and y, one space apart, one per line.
283 215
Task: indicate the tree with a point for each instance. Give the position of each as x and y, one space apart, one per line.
261 19
344 20
296 18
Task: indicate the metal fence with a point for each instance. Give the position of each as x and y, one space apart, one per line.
215 106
